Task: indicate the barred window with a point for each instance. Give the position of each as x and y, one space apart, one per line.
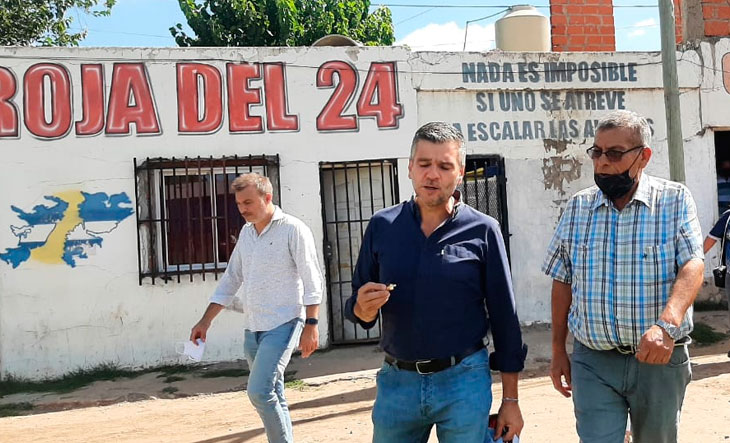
485 189
187 219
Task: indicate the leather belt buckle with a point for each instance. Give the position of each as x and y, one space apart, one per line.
626 350
424 362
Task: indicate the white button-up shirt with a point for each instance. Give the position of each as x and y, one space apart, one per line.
272 276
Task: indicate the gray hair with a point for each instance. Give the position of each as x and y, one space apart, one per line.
439 132
629 120
262 183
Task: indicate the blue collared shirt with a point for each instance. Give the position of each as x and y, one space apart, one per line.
443 283
621 264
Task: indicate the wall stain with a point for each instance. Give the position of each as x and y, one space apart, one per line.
557 145
557 171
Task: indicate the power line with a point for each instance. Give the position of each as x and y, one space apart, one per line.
466 27
294 65
414 16
122 32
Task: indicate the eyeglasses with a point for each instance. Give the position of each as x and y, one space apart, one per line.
613 155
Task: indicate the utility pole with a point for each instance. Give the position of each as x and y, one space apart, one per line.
671 91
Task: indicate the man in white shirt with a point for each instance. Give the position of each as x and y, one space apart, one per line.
276 274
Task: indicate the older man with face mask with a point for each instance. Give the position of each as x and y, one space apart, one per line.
627 262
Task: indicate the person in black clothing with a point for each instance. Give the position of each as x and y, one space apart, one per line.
427 268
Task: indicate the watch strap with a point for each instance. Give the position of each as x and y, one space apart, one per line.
673 331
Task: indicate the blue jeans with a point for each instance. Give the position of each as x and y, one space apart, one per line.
456 400
268 353
608 386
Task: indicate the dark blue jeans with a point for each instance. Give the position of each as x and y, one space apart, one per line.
456 400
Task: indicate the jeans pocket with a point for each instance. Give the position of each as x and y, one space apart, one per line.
477 360
680 357
579 348
384 369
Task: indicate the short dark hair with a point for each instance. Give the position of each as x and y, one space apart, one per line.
439 132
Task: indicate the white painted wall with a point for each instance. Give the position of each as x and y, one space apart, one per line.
55 318
534 204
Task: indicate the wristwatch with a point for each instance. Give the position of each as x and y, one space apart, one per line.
311 321
673 331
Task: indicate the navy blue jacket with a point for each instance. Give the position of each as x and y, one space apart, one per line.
443 283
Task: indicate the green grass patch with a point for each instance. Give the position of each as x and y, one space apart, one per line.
289 376
69 382
173 378
704 334
170 390
230 372
14 409
295 384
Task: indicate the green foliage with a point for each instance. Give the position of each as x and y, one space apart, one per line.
281 22
45 22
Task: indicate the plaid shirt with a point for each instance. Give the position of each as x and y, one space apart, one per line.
621 264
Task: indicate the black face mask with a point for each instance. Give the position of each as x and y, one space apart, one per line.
616 186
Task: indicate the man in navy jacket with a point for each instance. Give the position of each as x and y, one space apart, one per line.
427 268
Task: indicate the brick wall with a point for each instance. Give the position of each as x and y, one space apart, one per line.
582 25
587 25
716 16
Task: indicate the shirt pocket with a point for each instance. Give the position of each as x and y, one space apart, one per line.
459 262
658 266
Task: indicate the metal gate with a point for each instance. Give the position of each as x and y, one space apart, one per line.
351 193
485 189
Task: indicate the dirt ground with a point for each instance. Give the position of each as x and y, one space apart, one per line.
331 404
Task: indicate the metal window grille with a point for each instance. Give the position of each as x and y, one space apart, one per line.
485 189
351 193
187 219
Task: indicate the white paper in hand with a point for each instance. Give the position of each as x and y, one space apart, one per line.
193 351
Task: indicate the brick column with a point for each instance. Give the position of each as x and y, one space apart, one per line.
678 21
582 25
697 19
716 15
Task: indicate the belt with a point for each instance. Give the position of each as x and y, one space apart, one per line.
631 350
425 367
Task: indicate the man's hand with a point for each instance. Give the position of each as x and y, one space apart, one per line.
199 331
370 297
655 347
559 369
509 421
309 340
